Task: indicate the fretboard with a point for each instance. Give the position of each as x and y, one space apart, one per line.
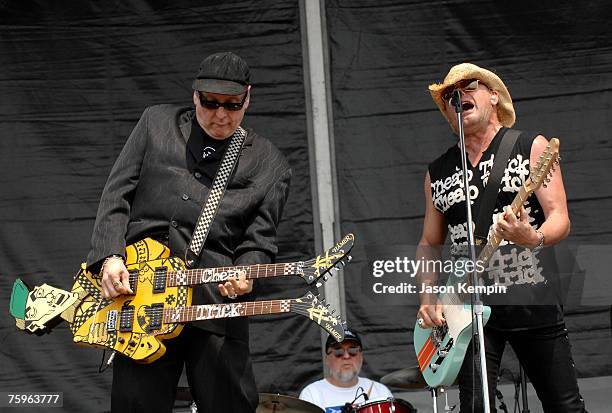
494 240
221 274
213 311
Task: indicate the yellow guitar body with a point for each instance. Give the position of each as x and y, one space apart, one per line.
98 322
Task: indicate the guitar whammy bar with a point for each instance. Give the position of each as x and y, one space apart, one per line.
135 325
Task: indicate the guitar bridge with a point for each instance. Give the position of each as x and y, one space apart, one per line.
111 320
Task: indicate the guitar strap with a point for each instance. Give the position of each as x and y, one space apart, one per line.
489 196
217 190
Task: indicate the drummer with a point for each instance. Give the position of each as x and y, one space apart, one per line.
342 383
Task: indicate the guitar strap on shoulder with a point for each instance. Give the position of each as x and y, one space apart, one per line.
217 190
489 196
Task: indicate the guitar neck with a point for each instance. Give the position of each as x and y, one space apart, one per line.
214 311
221 274
494 240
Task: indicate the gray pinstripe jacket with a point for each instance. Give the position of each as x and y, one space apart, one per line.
151 192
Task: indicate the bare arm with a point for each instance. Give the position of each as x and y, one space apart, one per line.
432 238
556 226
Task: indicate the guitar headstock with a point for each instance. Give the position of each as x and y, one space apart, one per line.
38 309
319 312
540 174
316 268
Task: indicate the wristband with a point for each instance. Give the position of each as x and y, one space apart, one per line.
540 245
110 257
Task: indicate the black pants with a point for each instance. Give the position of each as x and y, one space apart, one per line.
544 353
218 369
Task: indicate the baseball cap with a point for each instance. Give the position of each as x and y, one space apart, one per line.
349 335
225 73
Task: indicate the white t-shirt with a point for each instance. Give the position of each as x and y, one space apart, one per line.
332 398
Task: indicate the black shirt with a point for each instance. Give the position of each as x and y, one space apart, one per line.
205 153
524 274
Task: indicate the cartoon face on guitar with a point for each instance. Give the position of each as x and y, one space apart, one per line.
45 303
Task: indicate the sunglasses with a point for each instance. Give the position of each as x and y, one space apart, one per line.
214 105
467 85
339 352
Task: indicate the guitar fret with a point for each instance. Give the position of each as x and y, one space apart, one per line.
214 311
201 275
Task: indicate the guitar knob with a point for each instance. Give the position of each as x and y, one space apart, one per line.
121 340
132 343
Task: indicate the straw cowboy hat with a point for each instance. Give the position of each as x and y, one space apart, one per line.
505 110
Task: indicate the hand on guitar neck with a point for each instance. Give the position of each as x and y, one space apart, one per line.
515 229
235 287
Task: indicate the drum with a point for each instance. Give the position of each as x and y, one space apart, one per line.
386 406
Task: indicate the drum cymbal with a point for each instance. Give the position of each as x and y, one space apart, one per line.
272 403
409 378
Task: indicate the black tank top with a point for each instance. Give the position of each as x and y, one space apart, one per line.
528 281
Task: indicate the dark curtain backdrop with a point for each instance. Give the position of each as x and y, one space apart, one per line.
74 79
556 60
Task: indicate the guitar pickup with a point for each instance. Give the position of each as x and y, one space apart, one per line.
126 319
160 276
155 314
111 320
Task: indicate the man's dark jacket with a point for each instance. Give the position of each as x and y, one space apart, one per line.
152 192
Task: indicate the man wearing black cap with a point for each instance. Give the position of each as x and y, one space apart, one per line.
157 188
342 384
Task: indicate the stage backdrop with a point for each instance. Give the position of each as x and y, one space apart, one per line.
556 61
75 78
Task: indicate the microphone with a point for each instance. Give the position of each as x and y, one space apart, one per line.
456 100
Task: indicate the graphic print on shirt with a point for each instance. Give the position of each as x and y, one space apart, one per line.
508 265
449 191
208 150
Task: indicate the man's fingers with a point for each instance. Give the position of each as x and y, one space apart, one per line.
431 315
226 289
427 323
509 215
524 215
439 316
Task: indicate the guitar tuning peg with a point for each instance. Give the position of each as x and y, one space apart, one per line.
544 185
349 258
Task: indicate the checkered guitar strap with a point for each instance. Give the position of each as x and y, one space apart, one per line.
215 195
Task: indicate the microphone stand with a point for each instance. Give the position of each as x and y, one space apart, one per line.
477 305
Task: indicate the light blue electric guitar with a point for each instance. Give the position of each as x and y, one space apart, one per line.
441 350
